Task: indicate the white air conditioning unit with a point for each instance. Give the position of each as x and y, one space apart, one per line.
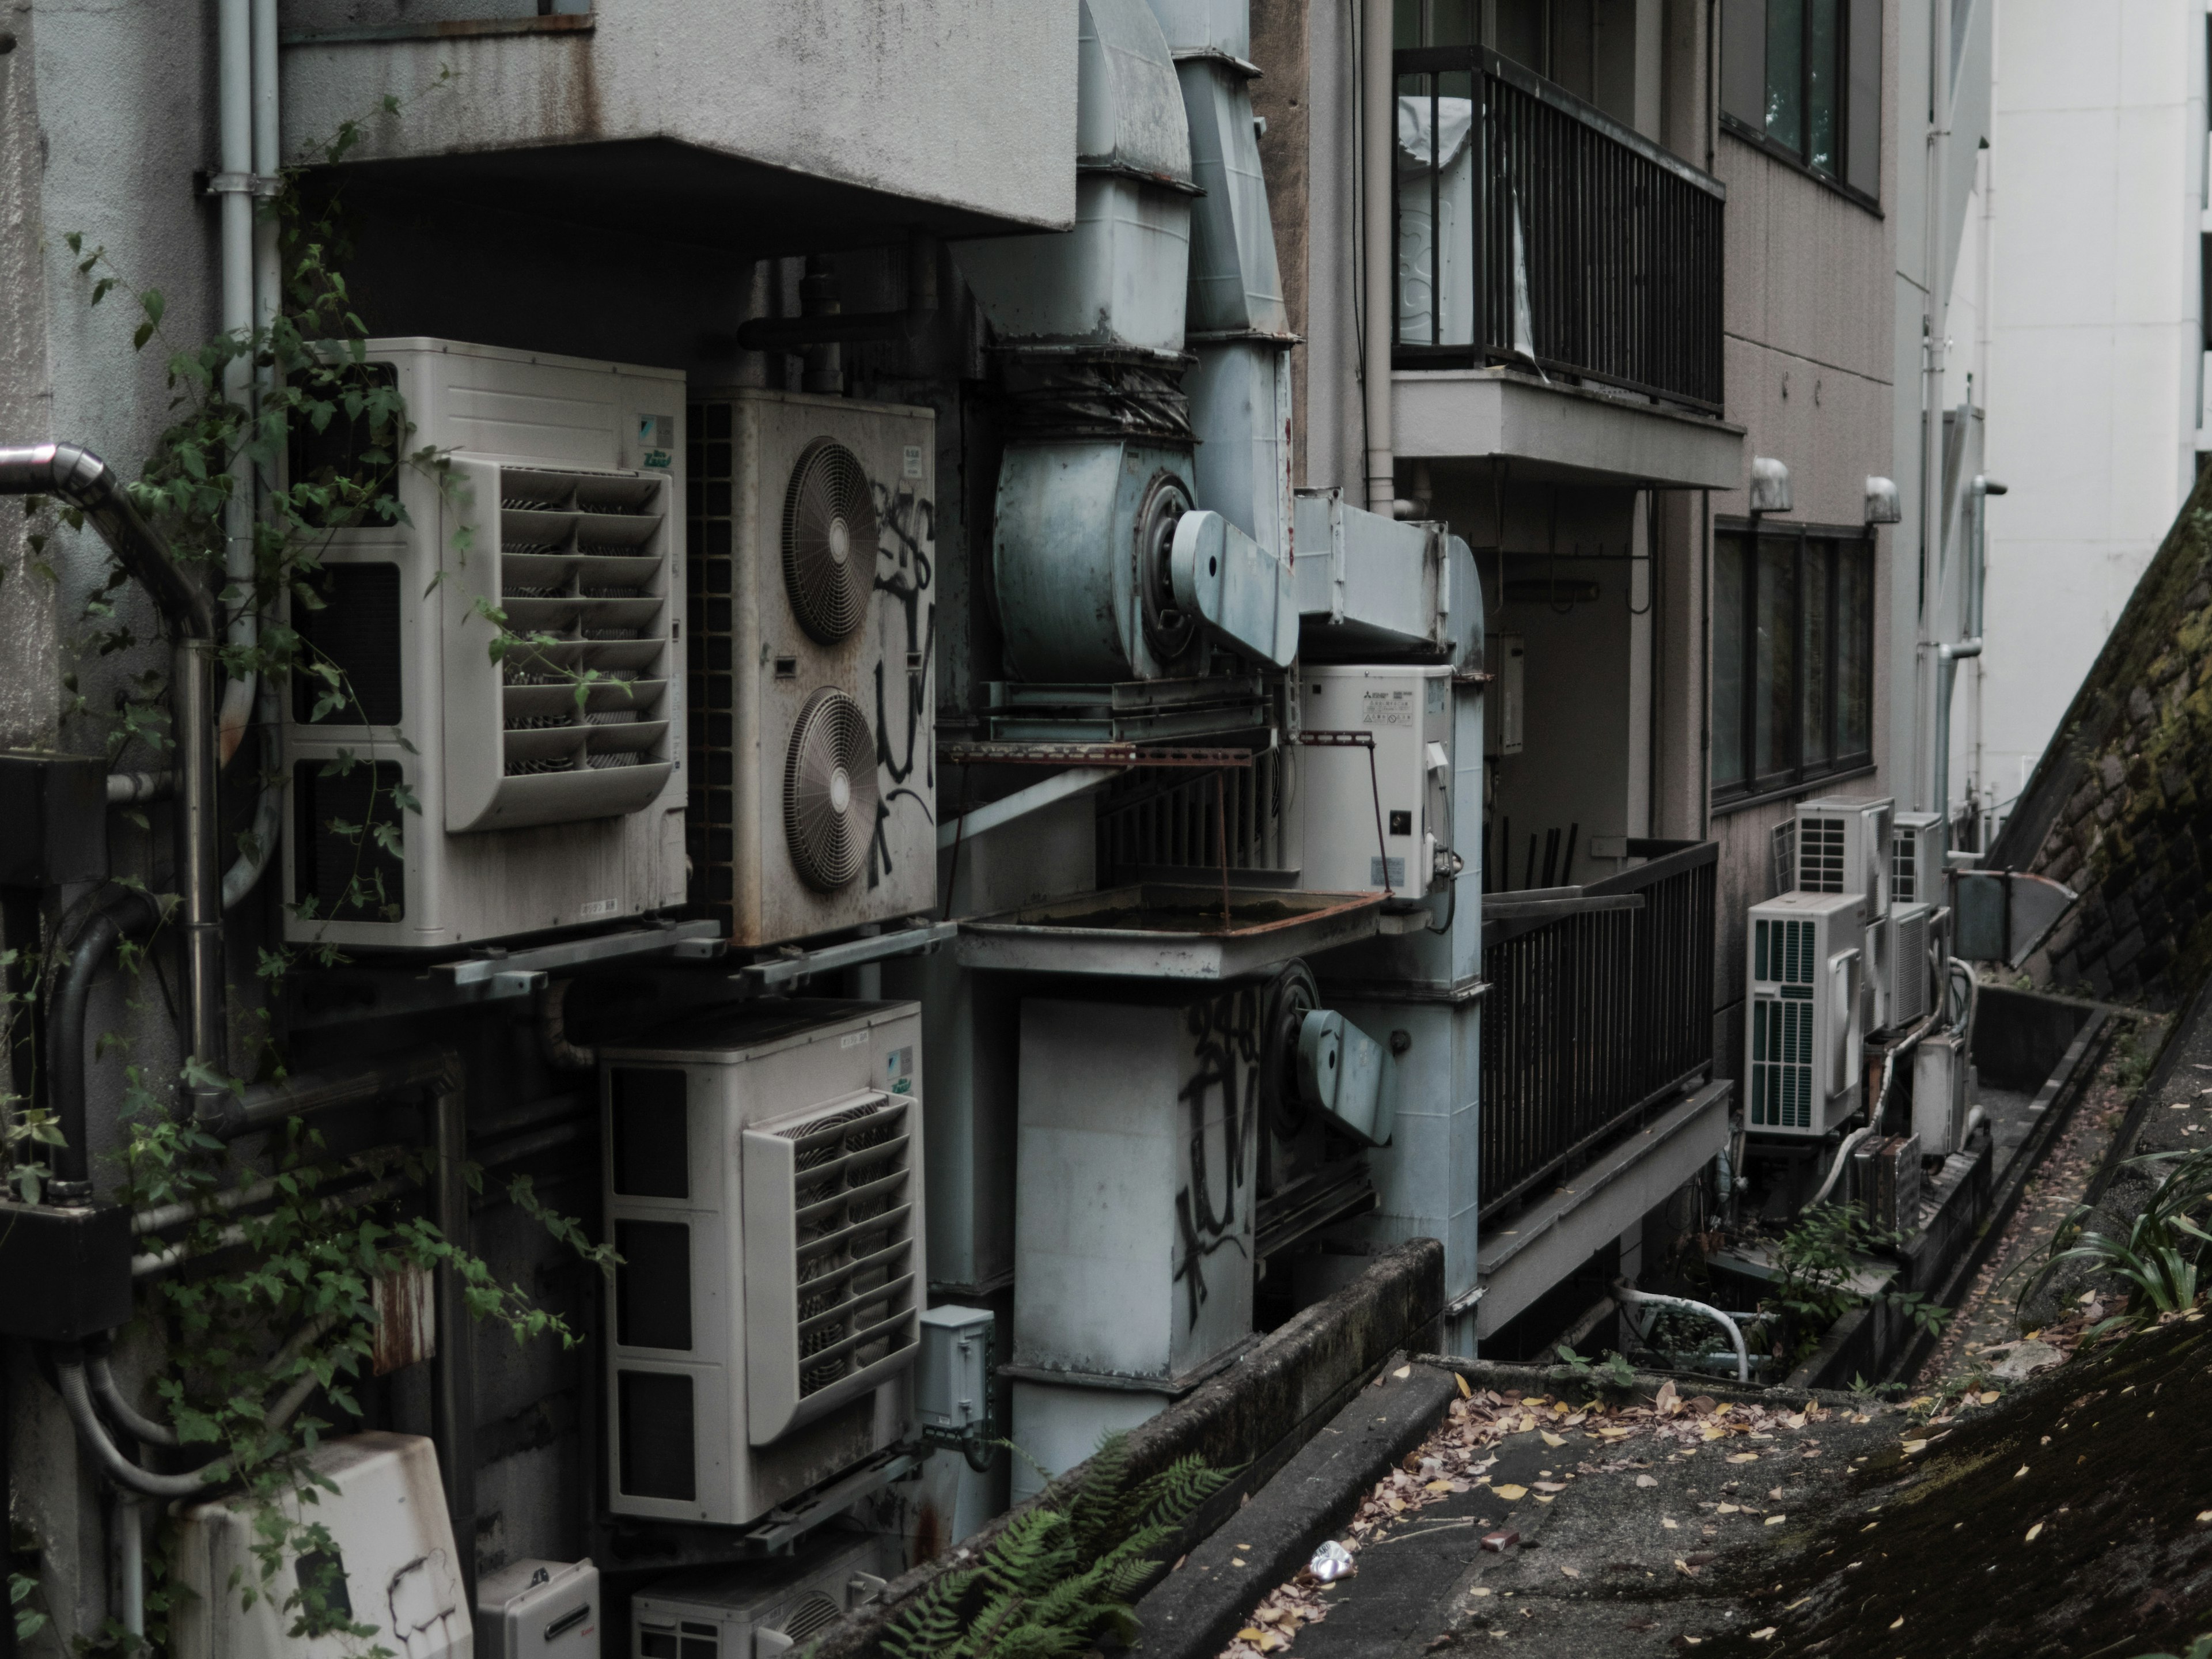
1939 1093
764 1188
1373 783
391 1564
535 1609
1916 859
812 662
1802 1047
449 792
760 1609
1844 846
1905 938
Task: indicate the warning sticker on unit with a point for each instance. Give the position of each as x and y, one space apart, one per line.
852 1039
913 460
898 1070
1387 706
1438 692
1386 872
656 441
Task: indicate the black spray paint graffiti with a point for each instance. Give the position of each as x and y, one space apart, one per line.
1224 1032
904 571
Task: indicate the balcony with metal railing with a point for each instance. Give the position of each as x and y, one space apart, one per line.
1546 252
1597 1059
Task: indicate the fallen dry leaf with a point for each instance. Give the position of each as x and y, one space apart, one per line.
1724 1508
1670 1525
1465 1392
1551 1439
1762 1635
1572 1572
1776 1520
1480 1591
1402 1373
2019 1472
1898 1623
1646 1480
1913 1448
1743 1457
1509 1493
1250 1633
2033 1530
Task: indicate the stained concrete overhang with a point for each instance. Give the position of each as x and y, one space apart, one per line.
1556 1235
738 124
1562 433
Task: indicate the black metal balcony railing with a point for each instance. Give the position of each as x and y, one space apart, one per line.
1532 227
1595 1018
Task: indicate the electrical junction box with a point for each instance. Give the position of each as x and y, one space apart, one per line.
953 1377
760 1608
1506 653
1802 1039
811 666
473 779
1939 1094
64 1270
54 829
1364 826
533 1609
764 1170
392 1566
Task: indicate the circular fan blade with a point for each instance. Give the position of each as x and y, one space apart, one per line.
829 791
828 541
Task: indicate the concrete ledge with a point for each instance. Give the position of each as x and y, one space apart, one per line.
1255 1417
1556 1235
1560 431
1192 1613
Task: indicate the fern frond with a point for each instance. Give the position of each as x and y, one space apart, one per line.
1176 1490
931 1628
1099 1514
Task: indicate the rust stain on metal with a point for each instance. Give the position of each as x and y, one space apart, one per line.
406 1320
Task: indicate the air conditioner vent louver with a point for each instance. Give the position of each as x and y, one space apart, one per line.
1821 855
829 790
829 534
817 1612
829 1262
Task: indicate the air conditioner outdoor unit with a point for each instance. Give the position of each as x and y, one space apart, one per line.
1374 778
1916 859
812 662
759 1609
1802 1043
391 1564
1906 997
536 1609
473 778
764 1188
1844 846
1939 1093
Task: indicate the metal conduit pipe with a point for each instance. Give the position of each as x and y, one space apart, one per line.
453 1391
121 912
80 477
170 1257
240 1198
125 789
267 1104
1629 1297
245 872
1378 154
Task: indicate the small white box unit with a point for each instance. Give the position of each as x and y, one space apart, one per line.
548 774
1912 982
1916 859
954 1377
763 1608
1373 780
533 1609
764 1188
1939 1093
392 1563
812 664
1802 1058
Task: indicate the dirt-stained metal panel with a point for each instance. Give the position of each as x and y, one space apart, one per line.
406 1322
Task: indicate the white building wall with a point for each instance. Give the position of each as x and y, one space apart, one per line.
2094 344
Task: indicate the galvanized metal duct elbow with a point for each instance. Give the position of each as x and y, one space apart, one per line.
88 484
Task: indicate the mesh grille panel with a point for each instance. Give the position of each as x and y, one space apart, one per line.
1821 855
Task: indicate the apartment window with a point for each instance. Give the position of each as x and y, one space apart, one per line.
1803 77
1793 658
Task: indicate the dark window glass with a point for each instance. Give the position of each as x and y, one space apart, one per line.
1774 664
1854 649
1823 62
1816 655
1731 591
1863 125
1793 658
1743 61
651 1158
652 1418
1785 72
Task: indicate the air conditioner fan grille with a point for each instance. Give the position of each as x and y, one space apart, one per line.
828 540
829 791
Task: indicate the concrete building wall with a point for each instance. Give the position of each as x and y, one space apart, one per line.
2094 345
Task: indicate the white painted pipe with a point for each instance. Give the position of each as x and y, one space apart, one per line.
1632 1299
130 1561
1378 149
234 121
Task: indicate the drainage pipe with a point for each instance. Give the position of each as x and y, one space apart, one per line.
121 912
452 1393
82 479
1378 149
1634 1298
245 872
265 1105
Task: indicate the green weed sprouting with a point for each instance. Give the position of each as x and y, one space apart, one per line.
2162 1257
1056 1579
1818 1257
